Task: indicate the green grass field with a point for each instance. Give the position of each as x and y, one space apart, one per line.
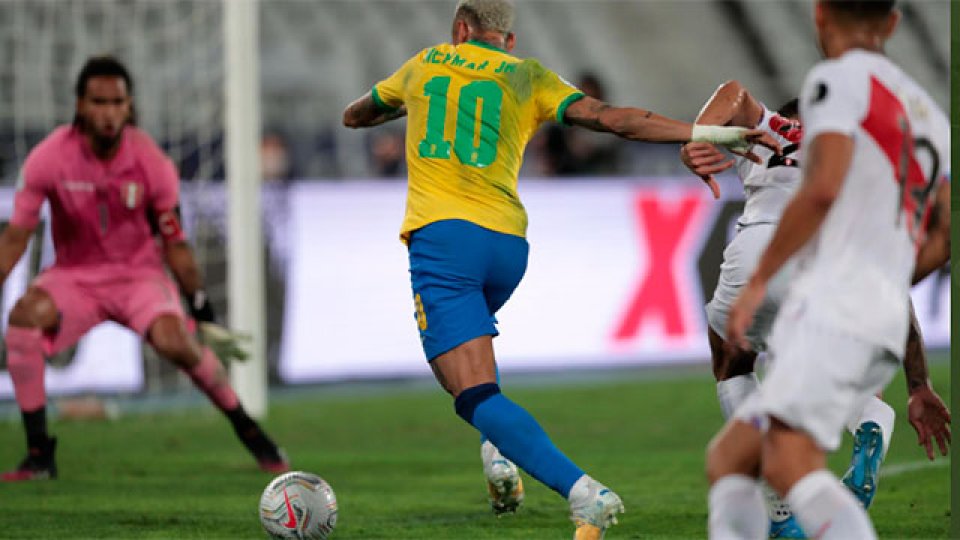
404 466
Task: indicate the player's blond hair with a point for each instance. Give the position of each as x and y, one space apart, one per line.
488 15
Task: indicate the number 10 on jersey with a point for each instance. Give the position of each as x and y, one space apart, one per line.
474 147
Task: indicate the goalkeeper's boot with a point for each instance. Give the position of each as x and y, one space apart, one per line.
269 456
593 508
38 465
503 480
864 472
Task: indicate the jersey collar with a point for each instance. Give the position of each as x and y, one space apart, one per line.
121 162
484 45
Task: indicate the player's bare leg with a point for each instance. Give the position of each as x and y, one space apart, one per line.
169 336
466 366
468 373
736 500
734 372
795 466
34 314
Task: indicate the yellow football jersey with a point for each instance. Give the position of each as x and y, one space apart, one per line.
471 109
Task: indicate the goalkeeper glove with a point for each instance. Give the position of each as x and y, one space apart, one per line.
227 345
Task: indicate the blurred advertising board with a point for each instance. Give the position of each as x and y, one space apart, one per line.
618 274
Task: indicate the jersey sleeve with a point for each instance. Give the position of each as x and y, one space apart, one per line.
166 186
833 99
162 178
37 175
165 199
553 94
390 93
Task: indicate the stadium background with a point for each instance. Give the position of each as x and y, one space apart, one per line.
625 244
620 266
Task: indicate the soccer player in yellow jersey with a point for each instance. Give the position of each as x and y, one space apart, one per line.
472 108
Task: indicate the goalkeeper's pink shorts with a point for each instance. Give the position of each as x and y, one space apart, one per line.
86 296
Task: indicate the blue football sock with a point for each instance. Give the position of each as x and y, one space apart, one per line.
518 436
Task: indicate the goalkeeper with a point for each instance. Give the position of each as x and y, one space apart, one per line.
113 198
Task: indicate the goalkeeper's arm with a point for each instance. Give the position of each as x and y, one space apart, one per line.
184 267
179 258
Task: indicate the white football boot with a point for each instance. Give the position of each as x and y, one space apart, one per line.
503 480
593 508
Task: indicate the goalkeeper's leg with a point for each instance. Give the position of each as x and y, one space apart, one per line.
168 335
25 362
47 319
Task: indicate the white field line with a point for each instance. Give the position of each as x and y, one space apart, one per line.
897 469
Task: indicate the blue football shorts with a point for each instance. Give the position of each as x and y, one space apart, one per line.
461 275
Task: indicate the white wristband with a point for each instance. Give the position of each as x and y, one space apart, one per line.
731 137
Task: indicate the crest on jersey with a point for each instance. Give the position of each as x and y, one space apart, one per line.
821 93
132 194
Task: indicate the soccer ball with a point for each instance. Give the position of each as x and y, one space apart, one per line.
298 505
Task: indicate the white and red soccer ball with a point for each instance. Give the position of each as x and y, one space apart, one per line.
298 505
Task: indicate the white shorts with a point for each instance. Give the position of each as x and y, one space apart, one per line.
740 258
819 378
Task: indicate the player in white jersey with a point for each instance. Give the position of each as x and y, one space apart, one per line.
769 183
876 146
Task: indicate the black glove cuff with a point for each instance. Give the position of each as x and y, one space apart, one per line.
201 309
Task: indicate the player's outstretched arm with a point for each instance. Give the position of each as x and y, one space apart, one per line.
935 251
13 242
926 412
364 112
645 126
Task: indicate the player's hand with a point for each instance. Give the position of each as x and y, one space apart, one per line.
761 137
749 155
705 160
930 418
741 315
227 345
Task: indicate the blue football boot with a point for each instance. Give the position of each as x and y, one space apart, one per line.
864 472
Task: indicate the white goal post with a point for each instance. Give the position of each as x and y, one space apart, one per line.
245 258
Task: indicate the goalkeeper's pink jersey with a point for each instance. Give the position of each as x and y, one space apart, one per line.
101 211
